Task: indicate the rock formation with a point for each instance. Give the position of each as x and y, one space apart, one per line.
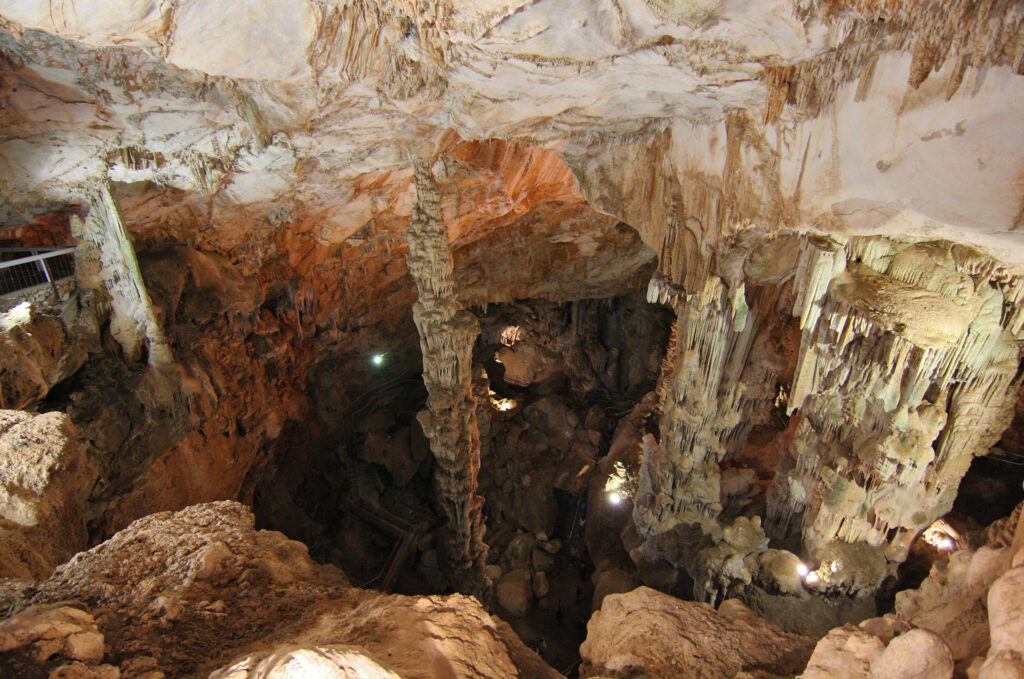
183 594
447 334
648 634
299 224
44 479
965 616
906 368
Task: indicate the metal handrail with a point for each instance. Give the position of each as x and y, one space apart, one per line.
34 257
39 257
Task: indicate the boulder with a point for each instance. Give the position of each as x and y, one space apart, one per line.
647 634
514 591
1006 613
844 653
43 477
52 630
316 661
916 654
198 589
612 581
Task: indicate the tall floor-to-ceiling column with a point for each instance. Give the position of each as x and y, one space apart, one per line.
447 334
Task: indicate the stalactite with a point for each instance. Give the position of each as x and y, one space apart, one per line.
447 334
703 401
892 411
906 369
133 321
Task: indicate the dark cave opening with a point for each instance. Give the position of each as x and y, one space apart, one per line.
550 394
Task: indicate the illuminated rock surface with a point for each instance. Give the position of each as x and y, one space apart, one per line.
377 270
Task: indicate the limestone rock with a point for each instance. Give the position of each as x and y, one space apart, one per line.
201 588
781 569
526 363
515 591
1002 666
541 585
648 634
49 630
844 653
612 581
78 670
917 654
330 663
1006 613
542 560
43 479
40 346
951 602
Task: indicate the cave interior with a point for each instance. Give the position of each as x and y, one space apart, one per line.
535 303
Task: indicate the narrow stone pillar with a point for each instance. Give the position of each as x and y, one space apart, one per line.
447 334
113 266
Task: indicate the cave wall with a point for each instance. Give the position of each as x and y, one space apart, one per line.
264 181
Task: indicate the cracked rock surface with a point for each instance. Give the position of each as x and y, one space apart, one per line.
181 594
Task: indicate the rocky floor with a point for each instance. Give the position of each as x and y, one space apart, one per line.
179 595
200 593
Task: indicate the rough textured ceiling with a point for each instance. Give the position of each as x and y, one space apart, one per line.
308 113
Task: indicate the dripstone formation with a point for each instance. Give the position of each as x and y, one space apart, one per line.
617 315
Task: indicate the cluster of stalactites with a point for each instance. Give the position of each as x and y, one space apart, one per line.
703 401
907 370
447 334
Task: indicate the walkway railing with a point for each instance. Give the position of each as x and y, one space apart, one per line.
22 268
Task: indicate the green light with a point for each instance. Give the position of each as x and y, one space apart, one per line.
377 360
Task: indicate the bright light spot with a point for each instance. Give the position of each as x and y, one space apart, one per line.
510 335
377 360
835 566
803 570
811 579
502 404
941 536
18 315
614 498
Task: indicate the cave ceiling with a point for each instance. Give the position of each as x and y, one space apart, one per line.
272 128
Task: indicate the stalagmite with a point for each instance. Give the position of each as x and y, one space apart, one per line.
447 333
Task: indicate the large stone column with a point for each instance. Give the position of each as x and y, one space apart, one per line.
106 259
447 334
